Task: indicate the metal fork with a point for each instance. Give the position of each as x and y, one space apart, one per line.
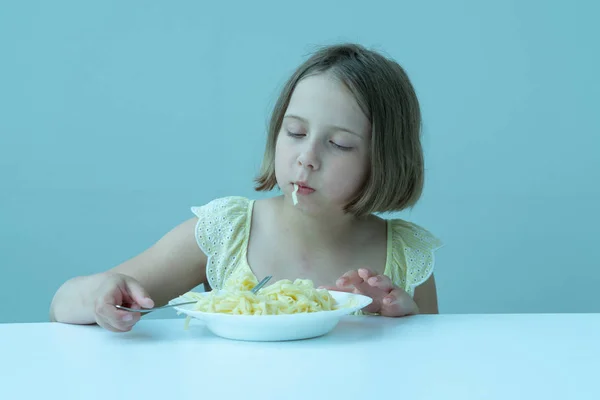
254 290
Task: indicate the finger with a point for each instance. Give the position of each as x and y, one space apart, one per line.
350 278
138 294
136 315
120 326
366 273
390 307
111 316
113 324
102 323
108 326
397 303
381 282
119 319
337 289
395 296
105 305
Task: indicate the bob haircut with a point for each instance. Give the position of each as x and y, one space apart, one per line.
382 89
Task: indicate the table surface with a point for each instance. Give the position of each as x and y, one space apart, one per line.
523 356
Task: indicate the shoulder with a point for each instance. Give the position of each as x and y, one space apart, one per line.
223 206
221 219
222 232
412 251
413 235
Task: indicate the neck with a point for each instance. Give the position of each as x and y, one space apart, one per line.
318 231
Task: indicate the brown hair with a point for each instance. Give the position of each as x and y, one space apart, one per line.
386 96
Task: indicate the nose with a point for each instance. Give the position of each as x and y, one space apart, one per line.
308 159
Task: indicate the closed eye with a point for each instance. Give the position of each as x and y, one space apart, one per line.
343 148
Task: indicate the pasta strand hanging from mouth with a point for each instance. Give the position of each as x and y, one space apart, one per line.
294 195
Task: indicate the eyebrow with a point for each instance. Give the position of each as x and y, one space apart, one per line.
337 128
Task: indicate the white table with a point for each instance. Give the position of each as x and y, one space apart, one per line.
422 357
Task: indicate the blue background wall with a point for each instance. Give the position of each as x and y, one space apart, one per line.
116 117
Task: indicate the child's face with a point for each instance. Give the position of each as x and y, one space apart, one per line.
324 142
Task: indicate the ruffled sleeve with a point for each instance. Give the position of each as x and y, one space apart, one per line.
222 233
411 256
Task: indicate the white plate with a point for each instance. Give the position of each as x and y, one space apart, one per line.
276 327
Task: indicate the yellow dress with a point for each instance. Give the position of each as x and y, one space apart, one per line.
223 232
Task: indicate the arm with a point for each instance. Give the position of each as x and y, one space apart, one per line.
172 266
426 297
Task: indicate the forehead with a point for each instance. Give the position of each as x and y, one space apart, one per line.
325 101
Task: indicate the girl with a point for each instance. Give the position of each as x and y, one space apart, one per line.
343 144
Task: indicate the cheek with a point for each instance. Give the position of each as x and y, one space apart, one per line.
347 178
282 160
279 155
284 153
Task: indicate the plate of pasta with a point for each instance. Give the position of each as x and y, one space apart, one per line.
285 310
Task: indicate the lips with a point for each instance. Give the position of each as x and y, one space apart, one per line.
303 188
303 185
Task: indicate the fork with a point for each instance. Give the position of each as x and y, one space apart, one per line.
254 290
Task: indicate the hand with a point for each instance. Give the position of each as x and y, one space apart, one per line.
388 299
123 290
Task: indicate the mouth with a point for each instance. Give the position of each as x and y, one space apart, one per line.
303 190
303 186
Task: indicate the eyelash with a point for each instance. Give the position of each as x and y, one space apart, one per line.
337 146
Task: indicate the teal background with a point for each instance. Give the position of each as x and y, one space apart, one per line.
117 116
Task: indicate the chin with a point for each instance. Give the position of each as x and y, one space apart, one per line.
315 209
